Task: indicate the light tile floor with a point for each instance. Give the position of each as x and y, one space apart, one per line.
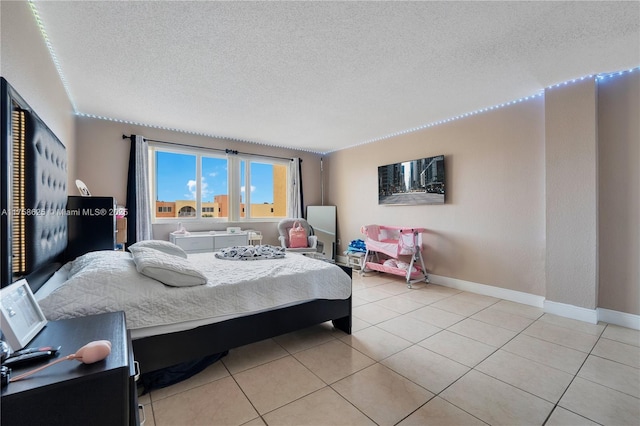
421 356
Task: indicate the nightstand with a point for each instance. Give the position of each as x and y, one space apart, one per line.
72 393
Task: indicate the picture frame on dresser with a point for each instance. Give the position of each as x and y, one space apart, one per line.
22 318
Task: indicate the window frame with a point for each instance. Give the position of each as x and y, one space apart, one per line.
234 179
248 159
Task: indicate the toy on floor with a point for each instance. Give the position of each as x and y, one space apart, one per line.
394 241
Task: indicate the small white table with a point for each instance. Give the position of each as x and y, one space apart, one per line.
255 237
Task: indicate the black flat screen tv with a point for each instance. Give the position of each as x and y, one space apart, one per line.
413 182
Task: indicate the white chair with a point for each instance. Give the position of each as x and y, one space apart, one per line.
285 225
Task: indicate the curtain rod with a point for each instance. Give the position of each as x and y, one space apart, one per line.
226 151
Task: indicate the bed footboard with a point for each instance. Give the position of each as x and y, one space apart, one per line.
156 352
343 324
162 351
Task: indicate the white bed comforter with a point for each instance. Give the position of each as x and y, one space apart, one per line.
108 281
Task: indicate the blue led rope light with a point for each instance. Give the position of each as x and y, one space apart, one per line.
598 77
188 132
54 58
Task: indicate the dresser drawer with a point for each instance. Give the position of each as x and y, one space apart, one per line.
195 244
222 241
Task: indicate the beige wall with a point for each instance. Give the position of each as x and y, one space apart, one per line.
571 190
542 196
104 157
491 228
26 64
619 193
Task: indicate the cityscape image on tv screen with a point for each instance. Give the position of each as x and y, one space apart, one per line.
412 182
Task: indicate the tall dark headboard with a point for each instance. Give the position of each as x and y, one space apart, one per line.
33 194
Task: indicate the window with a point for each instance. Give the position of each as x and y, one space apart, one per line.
192 183
265 195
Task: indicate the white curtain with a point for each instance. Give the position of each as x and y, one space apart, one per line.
143 205
295 196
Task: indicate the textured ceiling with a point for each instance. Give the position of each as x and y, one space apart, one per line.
323 76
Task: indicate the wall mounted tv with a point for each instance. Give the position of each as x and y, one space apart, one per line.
412 182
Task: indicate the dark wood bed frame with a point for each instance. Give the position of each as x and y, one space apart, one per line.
44 257
164 350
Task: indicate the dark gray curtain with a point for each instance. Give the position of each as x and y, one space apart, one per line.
138 204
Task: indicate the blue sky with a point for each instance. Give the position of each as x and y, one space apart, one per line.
176 178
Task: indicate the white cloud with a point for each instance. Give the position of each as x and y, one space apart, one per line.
191 185
242 189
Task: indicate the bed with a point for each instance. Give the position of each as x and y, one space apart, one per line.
235 303
34 247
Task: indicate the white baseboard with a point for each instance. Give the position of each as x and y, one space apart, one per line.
622 319
487 290
592 316
571 311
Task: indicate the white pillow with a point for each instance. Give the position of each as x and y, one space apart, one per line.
166 268
101 257
160 245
